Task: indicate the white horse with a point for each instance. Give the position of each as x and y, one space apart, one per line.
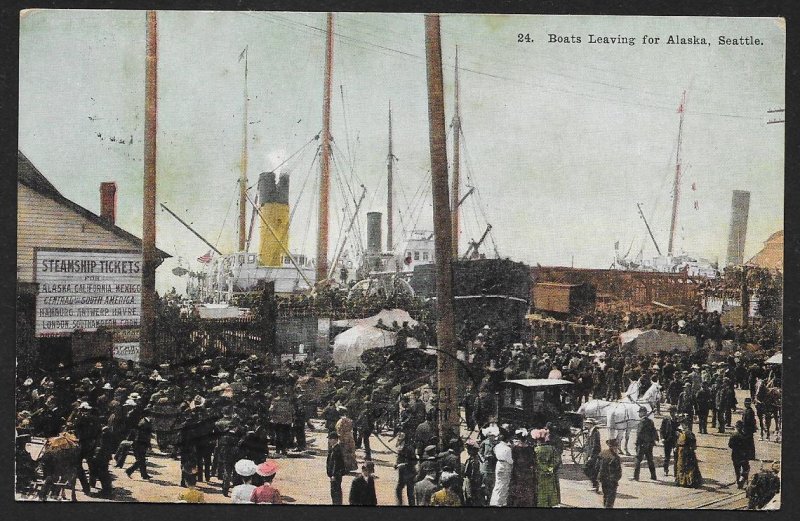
620 417
651 397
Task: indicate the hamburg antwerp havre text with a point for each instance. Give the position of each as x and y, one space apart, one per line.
672 39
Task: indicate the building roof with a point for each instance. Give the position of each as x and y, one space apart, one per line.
771 255
31 177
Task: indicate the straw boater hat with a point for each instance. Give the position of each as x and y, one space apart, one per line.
591 421
134 396
491 430
84 405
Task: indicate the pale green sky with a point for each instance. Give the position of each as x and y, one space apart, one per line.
561 140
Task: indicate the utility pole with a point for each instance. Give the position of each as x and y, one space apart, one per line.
147 327
456 165
676 191
325 160
447 375
389 190
745 297
243 177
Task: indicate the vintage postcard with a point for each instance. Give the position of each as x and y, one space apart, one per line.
477 260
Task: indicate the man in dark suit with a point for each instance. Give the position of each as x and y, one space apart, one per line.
739 454
141 443
335 468
669 435
749 428
703 401
646 438
593 450
362 490
424 489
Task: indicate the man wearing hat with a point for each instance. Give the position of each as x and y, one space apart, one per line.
503 454
609 472
25 466
686 403
87 429
98 463
646 438
474 489
242 493
362 489
740 452
335 468
669 435
592 449
425 488
406 466
702 404
141 444
749 427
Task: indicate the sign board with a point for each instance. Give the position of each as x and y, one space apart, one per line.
126 351
323 334
85 289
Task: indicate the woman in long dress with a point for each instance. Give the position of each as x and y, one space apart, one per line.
344 428
687 470
548 493
522 491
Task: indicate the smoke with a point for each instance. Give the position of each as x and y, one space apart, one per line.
275 159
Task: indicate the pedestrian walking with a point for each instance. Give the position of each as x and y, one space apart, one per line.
687 469
362 489
503 454
646 438
669 436
522 489
141 444
609 472
335 467
424 489
740 451
449 495
474 489
593 450
406 466
548 461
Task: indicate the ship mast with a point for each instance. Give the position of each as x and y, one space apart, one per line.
389 211
325 180
676 193
243 165
456 165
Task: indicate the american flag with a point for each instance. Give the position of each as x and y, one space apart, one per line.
205 259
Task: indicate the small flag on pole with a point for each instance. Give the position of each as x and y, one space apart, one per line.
243 53
205 259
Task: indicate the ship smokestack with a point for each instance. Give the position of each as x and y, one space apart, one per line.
373 232
740 208
274 206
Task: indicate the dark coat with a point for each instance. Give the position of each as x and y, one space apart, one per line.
423 491
609 467
362 491
740 450
334 465
669 430
646 434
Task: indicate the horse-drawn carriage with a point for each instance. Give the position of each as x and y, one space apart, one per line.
533 403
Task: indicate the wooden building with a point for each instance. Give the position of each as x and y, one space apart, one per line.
46 220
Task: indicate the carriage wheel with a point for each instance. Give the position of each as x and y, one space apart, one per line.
577 448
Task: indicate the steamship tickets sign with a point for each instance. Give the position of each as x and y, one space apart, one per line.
86 289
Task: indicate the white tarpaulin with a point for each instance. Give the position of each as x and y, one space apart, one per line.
351 344
388 316
777 358
651 341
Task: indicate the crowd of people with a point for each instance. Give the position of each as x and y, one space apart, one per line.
225 416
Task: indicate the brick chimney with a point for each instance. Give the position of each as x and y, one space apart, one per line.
108 201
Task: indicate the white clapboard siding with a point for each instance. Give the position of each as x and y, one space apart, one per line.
45 223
